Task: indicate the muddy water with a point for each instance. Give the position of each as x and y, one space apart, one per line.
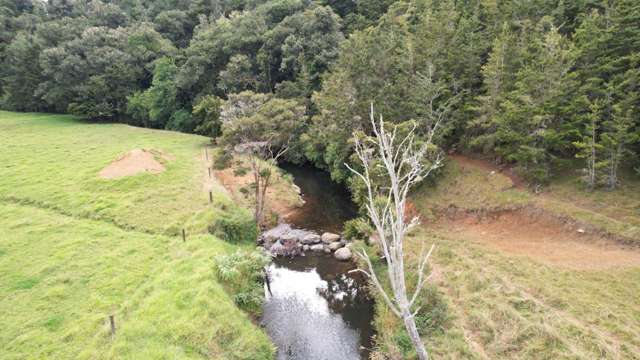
317 309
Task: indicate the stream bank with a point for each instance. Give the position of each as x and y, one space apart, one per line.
317 308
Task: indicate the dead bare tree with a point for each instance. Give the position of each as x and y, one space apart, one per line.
403 164
263 156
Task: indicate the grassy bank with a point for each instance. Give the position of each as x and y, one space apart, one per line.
517 273
77 248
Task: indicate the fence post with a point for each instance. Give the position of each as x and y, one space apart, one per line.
112 322
210 197
184 236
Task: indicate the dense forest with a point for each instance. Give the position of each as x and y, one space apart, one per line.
539 85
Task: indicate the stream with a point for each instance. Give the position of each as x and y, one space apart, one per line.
317 309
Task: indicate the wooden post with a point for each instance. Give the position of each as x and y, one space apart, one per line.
210 197
206 153
184 236
209 172
112 322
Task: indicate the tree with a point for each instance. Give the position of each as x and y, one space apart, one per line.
22 73
403 162
206 111
238 75
521 119
589 146
617 136
263 129
163 92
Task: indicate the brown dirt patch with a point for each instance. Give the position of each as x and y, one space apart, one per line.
134 162
282 199
544 239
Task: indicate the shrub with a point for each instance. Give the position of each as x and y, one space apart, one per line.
432 315
403 341
235 226
241 273
358 228
222 159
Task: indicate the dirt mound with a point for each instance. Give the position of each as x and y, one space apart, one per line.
544 239
134 162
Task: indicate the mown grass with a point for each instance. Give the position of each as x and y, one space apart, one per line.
76 248
503 307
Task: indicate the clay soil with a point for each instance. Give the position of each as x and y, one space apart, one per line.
134 162
535 233
279 201
543 239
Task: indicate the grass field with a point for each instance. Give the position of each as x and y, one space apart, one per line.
76 248
510 295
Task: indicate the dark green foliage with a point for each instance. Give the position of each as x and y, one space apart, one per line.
206 113
513 79
251 117
235 226
242 274
403 341
433 314
357 229
221 159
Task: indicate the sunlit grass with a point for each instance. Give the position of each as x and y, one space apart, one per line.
53 161
76 248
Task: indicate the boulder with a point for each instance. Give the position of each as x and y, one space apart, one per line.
297 234
316 247
311 239
277 249
276 233
288 247
328 237
335 245
305 247
327 250
343 254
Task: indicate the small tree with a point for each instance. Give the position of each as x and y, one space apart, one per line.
262 128
616 138
589 147
402 164
262 158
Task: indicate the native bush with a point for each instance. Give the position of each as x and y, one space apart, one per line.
241 273
235 226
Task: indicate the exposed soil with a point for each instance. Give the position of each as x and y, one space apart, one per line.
535 233
279 201
544 239
134 162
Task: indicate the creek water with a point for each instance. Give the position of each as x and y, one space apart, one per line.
317 309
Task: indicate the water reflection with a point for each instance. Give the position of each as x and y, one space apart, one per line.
327 204
318 310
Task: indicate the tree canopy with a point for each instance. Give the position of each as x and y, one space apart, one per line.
536 84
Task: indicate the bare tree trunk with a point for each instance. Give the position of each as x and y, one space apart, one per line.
256 178
410 325
403 164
